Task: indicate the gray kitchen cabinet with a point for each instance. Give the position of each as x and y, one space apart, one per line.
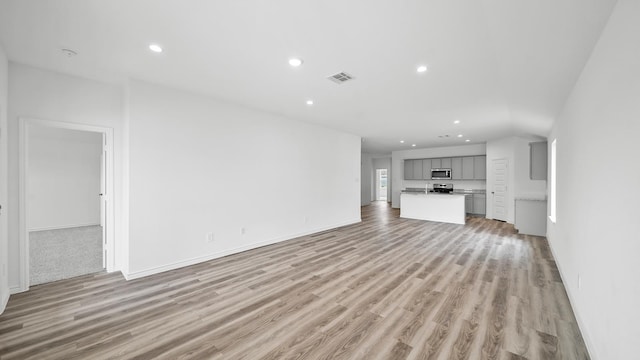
538 160
456 168
426 169
468 203
436 163
408 169
467 168
479 204
417 169
445 163
480 167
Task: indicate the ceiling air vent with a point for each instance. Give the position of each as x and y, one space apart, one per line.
340 77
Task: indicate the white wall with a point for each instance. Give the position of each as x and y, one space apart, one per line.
366 179
4 246
397 167
596 235
63 178
200 166
516 151
41 94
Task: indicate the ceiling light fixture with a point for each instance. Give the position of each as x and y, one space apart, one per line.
459 135
401 141
155 48
421 68
309 102
295 62
456 122
414 145
467 140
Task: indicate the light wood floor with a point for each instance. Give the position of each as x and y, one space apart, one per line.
387 288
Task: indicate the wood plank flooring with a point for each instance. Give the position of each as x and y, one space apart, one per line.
387 288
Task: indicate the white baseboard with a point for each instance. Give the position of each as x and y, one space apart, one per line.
199 259
61 227
581 326
4 300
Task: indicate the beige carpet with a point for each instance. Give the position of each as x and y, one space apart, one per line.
64 253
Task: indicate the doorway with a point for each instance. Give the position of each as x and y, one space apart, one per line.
381 184
65 196
499 170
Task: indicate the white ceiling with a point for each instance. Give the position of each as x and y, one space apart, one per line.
502 67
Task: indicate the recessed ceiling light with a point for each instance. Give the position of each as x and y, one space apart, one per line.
414 145
155 48
421 68
401 141
459 135
467 140
295 62
457 122
309 102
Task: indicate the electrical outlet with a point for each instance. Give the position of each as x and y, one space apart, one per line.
210 237
579 281
243 230
306 219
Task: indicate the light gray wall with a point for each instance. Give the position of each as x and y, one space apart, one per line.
63 180
198 165
596 235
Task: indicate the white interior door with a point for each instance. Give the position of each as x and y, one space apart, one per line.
499 169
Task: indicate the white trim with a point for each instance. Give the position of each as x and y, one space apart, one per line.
3 302
24 124
15 290
62 227
199 259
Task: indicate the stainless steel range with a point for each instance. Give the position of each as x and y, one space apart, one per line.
443 188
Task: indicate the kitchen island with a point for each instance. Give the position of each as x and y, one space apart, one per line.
447 208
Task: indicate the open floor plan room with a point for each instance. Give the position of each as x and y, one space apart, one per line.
386 288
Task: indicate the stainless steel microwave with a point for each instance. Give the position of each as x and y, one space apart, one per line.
441 174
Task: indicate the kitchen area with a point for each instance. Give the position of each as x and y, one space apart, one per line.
454 187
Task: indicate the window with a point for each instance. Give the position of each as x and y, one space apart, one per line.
552 185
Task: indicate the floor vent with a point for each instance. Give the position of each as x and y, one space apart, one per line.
340 77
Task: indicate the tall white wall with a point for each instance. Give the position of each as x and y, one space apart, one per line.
397 167
596 234
63 178
516 151
42 94
4 246
366 179
198 166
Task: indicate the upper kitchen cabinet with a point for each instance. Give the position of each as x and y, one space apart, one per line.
538 160
467 168
480 167
417 169
445 163
436 163
426 169
413 169
456 168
